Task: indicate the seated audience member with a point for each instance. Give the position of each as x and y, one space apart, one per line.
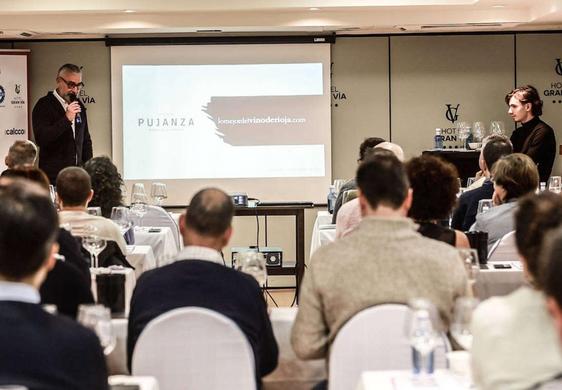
199 278
39 350
385 260
435 185
495 146
67 285
349 216
21 154
74 192
514 175
506 329
106 183
367 144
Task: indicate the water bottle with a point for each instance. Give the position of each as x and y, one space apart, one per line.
332 199
423 340
438 139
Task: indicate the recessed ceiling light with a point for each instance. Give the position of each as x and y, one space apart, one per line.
129 11
314 9
498 6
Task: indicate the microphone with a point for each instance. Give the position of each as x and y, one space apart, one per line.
74 98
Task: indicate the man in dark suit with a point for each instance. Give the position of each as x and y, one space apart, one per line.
39 350
199 278
60 124
495 147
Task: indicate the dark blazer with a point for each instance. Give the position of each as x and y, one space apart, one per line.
46 352
465 213
58 148
211 286
67 285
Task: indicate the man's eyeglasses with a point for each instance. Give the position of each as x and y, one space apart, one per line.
71 84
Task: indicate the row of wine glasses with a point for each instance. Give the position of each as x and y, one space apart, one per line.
158 193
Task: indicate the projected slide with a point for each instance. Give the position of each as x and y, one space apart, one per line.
223 121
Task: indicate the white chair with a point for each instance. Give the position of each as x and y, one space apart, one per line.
504 249
196 349
156 216
374 339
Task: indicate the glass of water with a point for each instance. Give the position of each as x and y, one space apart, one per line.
554 184
98 319
462 317
484 205
120 215
94 211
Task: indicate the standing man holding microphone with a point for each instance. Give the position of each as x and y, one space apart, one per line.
60 124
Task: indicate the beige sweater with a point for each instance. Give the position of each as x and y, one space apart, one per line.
383 261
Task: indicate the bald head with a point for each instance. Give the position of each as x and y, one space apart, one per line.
209 213
74 187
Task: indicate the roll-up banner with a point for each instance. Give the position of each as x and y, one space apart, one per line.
14 99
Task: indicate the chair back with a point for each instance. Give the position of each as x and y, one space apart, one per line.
504 249
348 195
197 349
374 339
156 216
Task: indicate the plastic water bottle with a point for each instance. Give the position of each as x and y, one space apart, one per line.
423 340
332 199
438 139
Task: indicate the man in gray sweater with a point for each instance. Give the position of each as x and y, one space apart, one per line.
384 260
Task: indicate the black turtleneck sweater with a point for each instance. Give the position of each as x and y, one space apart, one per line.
536 139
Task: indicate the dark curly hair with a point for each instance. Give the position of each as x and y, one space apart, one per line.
435 185
106 183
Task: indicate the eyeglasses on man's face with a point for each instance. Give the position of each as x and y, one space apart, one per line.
72 84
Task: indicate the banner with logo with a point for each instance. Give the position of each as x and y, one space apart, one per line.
14 111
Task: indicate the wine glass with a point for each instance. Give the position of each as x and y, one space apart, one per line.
462 317
158 193
120 215
469 258
98 319
484 205
422 327
497 127
139 201
470 181
554 184
463 129
252 263
478 131
93 243
94 211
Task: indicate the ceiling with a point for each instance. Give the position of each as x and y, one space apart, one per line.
48 19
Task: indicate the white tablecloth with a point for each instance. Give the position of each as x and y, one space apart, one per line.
144 382
404 380
323 231
141 257
161 239
290 368
130 281
495 282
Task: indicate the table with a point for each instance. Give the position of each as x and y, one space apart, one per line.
323 231
290 368
403 380
496 282
162 241
466 161
296 210
130 281
141 257
144 382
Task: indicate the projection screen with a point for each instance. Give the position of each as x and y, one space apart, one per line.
244 118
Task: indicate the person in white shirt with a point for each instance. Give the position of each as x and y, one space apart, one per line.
74 192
